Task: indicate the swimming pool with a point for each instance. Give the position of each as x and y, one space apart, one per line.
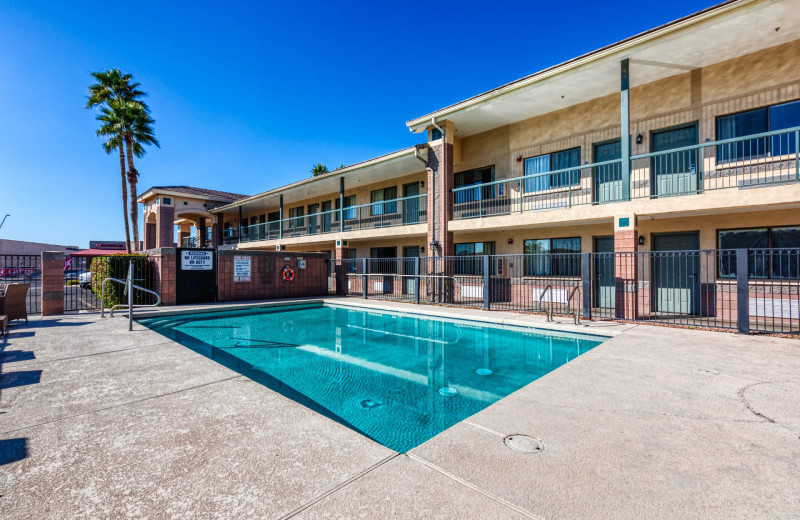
397 378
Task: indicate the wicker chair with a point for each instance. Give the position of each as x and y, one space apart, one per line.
12 301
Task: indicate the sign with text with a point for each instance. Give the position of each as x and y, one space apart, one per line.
241 268
197 260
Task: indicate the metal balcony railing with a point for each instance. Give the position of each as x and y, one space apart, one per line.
396 212
765 159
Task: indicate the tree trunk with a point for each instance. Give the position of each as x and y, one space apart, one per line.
124 198
132 179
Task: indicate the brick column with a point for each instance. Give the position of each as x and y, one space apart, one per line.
52 283
166 223
164 262
201 232
625 266
440 196
216 230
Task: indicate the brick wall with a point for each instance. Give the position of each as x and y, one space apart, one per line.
166 223
265 276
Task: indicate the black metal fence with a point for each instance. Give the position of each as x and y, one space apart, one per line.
78 293
24 269
756 290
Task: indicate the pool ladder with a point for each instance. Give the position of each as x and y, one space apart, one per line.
549 312
129 287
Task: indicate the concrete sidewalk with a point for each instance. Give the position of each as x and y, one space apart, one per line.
98 422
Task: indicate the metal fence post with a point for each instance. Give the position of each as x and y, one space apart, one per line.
486 282
364 278
742 292
586 284
416 279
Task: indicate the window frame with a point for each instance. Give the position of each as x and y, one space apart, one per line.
769 264
553 263
768 146
384 206
472 268
552 182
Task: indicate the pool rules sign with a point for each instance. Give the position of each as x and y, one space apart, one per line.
241 268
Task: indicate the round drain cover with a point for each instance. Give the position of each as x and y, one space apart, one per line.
484 372
448 391
523 443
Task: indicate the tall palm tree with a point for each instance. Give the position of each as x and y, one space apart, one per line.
138 132
113 86
111 129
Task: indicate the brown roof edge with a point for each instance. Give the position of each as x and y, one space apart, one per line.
191 190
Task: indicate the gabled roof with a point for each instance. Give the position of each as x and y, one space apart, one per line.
222 196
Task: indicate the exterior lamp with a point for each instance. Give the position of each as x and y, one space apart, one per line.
641 240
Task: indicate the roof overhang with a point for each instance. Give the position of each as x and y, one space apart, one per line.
396 164
153 192
719 33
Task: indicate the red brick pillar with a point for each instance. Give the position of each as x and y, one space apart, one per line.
165 271
625 267
52 283
201 232
166 222
441 179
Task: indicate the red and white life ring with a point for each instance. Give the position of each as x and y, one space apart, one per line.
287 275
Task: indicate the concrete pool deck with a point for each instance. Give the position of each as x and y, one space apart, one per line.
99 422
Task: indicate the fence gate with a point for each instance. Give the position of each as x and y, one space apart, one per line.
24 269
78 292
196 279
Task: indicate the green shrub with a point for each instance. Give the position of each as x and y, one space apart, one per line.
72 282
116 266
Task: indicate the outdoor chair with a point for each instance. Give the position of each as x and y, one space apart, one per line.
12 301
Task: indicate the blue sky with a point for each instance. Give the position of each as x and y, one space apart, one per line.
248 96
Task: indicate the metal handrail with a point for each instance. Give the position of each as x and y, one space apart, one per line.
576 317
549 313
129 286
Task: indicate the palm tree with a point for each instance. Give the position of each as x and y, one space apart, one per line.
319 169
138 132
113 86
112 130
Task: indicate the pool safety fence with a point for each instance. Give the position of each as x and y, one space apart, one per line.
747 290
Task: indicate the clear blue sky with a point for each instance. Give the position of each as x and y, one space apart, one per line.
249 97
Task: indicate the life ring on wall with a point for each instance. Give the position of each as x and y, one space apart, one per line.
287 274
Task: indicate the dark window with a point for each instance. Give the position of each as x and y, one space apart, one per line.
474 178
380 260
539 166
166 200
472 266
436 134
553 257
377 198
296 217
761 261
760 120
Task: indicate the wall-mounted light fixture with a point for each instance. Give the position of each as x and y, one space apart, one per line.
421 184
641 240
639 139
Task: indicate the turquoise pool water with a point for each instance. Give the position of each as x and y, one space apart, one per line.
397 378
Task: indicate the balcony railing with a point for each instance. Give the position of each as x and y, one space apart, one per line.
396 212
766 159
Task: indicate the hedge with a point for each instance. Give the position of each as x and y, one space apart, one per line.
116 266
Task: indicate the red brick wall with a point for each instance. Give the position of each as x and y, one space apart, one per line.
265 276
52 283
166 224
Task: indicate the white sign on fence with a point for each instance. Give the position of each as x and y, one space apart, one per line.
241 268
197 260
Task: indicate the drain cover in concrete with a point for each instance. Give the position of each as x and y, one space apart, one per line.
523 443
